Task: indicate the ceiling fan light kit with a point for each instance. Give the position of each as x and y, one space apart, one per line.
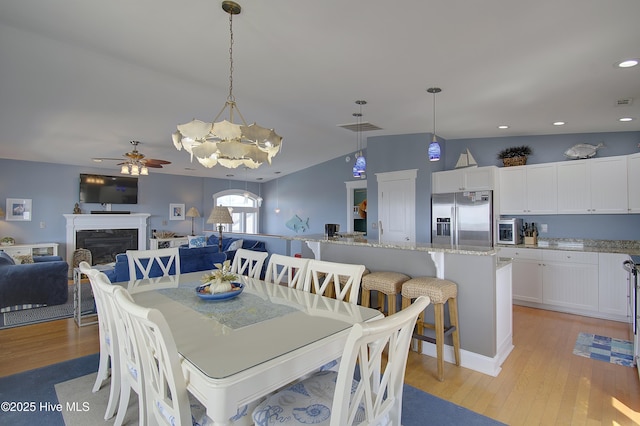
226 143
136 163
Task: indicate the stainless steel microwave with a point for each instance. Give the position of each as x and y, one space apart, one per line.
508 231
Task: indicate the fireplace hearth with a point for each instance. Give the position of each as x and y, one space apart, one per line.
105 244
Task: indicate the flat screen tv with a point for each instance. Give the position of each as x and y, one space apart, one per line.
108 189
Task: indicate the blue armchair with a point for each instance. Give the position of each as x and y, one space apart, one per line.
44 282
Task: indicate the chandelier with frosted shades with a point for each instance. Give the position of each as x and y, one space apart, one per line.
226 143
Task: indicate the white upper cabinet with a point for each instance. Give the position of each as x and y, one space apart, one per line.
467 179
633 178
528 189
594 186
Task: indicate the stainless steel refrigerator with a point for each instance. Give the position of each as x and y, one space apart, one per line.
462 218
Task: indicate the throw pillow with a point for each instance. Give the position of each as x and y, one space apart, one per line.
24 259
237 244
5 259
196 241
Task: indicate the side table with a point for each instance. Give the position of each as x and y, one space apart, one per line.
80 317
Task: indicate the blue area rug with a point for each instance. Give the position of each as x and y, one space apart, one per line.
607 349
37 386
48 313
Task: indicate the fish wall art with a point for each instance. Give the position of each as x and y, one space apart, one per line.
297 224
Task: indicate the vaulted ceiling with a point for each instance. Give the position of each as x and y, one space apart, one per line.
80 79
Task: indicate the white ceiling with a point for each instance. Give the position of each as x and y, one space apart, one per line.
79 79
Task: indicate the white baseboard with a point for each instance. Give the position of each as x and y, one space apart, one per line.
471 360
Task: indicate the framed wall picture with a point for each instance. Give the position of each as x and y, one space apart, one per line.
176 211
18 209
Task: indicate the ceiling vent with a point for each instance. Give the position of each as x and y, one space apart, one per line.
364 127
624 102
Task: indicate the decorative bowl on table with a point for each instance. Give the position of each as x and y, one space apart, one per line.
203 292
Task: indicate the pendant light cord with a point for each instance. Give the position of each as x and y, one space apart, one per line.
230 97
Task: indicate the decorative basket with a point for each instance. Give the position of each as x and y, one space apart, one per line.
514 161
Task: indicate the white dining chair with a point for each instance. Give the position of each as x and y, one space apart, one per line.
323 277
131 373
141 262
248 262
286 270
166 398
338 399
109 364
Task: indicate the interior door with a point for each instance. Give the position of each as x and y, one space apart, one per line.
397 206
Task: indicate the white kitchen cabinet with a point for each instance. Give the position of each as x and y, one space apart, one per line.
527 273
528 189
583 283
613 285
593 186
633 177
570 279
466 179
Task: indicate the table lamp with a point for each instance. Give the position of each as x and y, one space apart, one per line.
192 213
220 215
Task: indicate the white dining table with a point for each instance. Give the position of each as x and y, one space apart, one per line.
236 351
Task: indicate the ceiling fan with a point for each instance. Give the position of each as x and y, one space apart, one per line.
135 162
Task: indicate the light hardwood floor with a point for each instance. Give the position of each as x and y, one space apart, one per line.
541 383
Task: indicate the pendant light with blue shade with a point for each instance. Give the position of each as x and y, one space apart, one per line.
360 166
434 146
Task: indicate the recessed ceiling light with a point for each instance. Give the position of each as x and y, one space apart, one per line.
627 63
503 126
559 123
625 119
97 160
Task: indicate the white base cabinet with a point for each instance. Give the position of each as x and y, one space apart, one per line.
613 285
583 283
570 279
527 273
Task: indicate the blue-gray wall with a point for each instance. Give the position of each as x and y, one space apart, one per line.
317 193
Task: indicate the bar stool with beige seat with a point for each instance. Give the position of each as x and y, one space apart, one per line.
385 283
440 291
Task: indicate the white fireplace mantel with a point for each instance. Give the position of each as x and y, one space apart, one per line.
82 222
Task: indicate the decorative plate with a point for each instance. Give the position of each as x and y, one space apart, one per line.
220 296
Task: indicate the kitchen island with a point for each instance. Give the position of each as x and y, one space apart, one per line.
483 279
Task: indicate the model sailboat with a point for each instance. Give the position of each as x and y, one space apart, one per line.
466 160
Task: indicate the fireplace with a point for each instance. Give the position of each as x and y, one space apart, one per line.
110 234
105 244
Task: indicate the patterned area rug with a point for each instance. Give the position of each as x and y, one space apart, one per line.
48 313
615 351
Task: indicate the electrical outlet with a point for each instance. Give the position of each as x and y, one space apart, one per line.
544 227
374 225
164 223
43 225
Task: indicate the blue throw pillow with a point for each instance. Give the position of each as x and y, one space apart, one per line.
197 241
5 259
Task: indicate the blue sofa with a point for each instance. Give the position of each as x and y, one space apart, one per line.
191 260
31 285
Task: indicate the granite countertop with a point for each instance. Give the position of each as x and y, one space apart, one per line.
431 248
629 247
